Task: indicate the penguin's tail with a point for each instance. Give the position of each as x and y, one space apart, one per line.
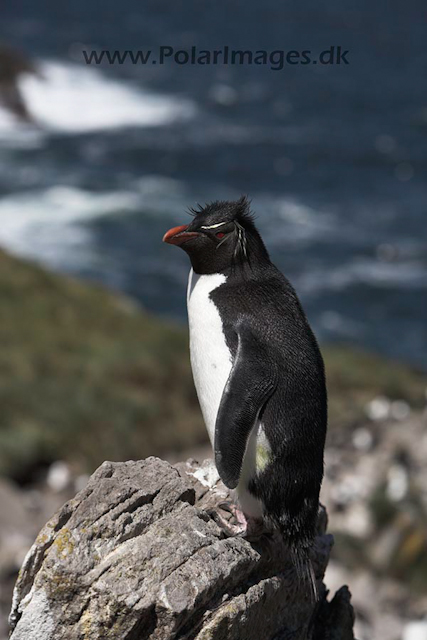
300 554
300 545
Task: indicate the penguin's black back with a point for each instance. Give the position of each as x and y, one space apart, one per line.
294 418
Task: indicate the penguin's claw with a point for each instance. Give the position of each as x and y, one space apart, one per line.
226 506
229 529
249 528
235 512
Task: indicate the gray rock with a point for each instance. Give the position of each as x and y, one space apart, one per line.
12 65
136 555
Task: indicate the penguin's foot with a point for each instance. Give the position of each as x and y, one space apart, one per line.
227 527
246 527
235 512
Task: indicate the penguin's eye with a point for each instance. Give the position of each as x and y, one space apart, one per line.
220 234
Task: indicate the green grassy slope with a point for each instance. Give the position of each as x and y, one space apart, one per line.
85 376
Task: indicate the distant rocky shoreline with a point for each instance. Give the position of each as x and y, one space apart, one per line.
12 64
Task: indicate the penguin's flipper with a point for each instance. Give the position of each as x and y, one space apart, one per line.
251 382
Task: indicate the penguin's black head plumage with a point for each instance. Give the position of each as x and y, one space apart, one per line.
222 236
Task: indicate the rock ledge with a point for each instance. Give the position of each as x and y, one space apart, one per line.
136 555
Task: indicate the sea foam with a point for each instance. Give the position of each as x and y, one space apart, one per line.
48 225
70 98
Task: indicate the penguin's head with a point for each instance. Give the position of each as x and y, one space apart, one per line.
221 236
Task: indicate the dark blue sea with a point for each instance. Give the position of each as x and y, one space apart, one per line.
334 157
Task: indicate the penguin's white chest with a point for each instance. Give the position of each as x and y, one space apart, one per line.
211 359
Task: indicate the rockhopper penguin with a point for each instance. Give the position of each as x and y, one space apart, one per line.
258 373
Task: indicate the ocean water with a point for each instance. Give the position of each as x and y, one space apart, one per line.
333 157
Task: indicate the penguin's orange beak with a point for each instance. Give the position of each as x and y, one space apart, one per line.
179 235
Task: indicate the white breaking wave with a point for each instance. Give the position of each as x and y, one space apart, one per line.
49 225
74 99
370 272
